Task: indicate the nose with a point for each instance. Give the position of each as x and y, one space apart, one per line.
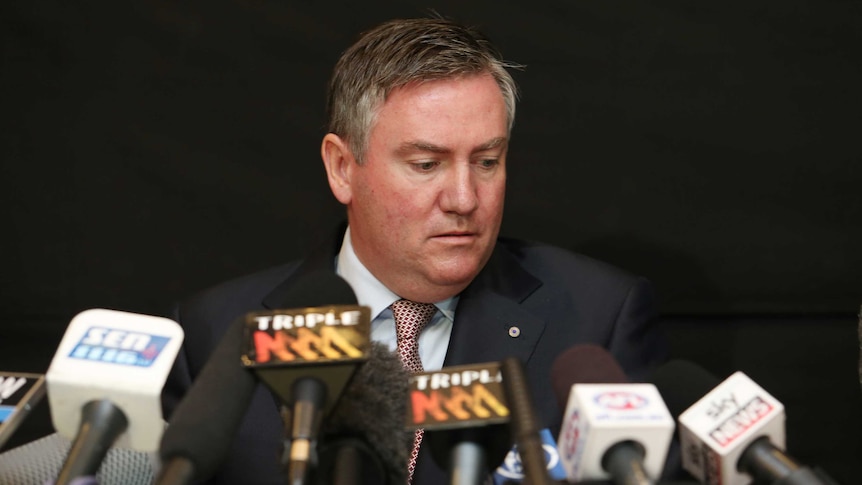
459 194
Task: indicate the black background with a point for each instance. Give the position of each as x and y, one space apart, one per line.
151 149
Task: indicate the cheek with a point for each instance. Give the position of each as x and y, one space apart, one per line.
492 197
396 211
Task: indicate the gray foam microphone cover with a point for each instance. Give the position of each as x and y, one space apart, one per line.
39 462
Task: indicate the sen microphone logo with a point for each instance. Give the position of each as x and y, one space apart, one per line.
621 401
316 334
115 346
460 396
739 422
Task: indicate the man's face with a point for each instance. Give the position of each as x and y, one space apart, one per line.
426 205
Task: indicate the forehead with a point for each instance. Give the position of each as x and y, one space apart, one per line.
467 103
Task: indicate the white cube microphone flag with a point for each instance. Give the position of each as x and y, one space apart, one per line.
611 428
117 356
599 417
716 430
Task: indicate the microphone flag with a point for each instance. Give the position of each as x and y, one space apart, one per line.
715 431
19 393
333 338
599 416
463 396
119 356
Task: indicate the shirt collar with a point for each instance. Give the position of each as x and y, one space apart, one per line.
369 290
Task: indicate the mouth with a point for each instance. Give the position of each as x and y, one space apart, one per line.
456 236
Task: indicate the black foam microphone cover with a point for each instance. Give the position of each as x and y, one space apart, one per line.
681 384
364 435
202 427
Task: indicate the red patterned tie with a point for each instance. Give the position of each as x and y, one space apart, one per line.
410 318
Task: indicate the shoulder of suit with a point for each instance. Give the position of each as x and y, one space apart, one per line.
251 287
546 261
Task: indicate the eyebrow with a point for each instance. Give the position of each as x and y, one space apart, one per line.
424 146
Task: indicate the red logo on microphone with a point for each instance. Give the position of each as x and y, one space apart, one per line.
741 421
621 400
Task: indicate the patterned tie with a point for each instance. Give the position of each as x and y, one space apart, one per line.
410 318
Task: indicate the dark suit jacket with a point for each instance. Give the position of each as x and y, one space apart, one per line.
556 298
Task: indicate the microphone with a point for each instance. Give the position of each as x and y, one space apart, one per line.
39 461
199 433
464 413
611 429
306 356
363 439
524 423
734 432
104 384
19 394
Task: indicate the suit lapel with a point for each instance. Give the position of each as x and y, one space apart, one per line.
490 322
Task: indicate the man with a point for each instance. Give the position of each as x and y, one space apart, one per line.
421 113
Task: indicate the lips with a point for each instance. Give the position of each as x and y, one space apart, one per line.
460 233
456 234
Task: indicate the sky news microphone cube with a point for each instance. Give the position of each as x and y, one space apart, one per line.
716 430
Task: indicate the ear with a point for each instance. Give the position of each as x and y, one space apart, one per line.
339 163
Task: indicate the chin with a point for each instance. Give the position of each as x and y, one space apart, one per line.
459 274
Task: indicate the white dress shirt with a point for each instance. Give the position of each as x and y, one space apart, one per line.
370 292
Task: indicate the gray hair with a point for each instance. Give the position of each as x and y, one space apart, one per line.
404 51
